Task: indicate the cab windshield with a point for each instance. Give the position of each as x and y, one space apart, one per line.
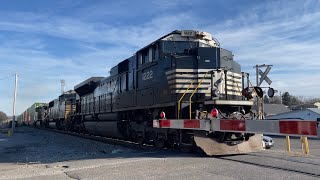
180 46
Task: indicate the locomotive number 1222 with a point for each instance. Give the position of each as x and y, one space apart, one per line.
147 75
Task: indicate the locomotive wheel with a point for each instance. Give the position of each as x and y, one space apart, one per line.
187 148
140 139
187 143
160 140
58 125
159 143
137 137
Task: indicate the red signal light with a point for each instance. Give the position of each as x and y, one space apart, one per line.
214 112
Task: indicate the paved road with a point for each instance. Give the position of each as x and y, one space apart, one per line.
38 154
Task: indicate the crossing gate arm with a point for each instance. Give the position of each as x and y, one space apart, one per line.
194 124
282 127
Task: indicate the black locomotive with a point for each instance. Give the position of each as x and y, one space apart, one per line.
58 112
182 75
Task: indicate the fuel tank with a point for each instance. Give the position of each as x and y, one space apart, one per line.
112 129
107 125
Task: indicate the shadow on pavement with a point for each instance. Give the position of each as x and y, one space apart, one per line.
31 146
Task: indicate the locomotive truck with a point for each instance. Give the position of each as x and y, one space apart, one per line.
182 90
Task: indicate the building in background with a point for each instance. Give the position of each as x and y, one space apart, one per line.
303 106
272 109
306 114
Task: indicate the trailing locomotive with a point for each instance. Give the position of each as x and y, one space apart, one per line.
59 111
182 75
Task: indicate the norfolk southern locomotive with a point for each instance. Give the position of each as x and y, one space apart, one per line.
182 75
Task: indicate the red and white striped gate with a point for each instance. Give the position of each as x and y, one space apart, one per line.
290 127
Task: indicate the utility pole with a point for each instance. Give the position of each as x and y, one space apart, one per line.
14 102
257 74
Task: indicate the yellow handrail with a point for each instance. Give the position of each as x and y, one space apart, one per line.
185 92
195 92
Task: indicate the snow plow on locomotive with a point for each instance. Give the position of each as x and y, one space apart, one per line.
182 90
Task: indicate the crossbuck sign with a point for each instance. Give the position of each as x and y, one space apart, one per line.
263 75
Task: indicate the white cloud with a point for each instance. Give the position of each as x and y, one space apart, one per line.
288 39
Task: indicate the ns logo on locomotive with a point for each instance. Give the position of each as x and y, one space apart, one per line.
182 75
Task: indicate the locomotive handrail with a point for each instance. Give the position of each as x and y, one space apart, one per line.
185 92
194 91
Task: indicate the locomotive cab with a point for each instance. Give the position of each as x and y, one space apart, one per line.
195 63
205 77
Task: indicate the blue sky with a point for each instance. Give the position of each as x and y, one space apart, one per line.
46 41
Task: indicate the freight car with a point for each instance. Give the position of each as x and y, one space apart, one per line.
170 93
29 116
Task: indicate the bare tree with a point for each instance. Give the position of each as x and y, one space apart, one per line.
3 116
275 100
312 100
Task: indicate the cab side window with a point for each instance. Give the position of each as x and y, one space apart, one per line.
148 55
123 82
155 52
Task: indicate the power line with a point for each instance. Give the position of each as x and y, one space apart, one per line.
7 77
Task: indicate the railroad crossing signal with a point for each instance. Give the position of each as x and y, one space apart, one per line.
263 75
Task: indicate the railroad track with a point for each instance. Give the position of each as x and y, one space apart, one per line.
120 142
232 158
279 167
